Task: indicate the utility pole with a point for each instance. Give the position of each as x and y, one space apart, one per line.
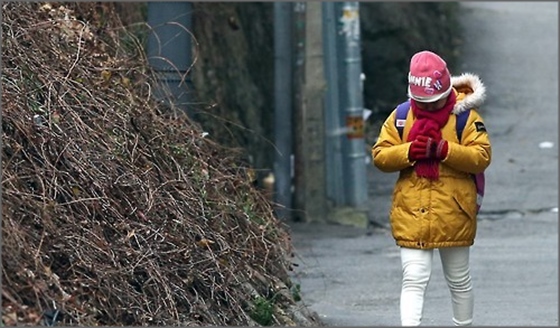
309 92
334 127
352 102
345 146
283 108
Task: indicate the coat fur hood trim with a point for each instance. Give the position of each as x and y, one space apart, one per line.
470 88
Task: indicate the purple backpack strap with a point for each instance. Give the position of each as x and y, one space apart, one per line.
461 122
400 118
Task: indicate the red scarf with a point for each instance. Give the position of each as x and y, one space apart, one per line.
430 124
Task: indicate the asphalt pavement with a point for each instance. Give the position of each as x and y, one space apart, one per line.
352 276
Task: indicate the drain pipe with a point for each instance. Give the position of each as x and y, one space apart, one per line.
169 51
352 103
283 108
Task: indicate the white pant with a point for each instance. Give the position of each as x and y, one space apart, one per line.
417 269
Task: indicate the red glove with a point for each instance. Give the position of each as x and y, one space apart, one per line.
439 146
439 149
420 148
427 148
433 134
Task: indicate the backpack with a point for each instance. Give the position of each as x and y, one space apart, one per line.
479 180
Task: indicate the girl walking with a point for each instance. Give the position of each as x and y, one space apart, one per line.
434 202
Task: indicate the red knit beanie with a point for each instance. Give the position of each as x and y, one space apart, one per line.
428 79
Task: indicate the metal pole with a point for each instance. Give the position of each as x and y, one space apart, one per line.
283 107
352 102
169 50
299 10
335 130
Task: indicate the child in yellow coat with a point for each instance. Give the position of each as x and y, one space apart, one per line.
434 199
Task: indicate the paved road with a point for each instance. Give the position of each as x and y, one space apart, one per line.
351 277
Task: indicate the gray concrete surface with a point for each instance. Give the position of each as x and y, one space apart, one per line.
351 276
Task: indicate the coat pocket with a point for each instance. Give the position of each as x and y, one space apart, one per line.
466 202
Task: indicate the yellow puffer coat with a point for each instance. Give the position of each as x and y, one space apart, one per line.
441 213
